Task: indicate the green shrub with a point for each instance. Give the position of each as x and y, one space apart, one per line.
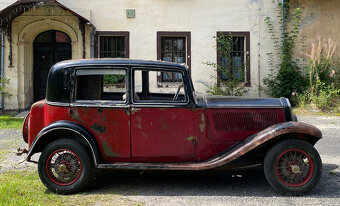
285 79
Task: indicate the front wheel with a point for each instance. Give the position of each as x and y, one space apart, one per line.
64 166
293 167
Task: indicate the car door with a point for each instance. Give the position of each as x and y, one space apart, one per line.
100 106
161 125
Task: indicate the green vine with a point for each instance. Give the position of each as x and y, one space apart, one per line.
285 78
230 86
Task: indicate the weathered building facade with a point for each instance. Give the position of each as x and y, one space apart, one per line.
39 33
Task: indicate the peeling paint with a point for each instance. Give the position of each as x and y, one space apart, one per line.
163 123
190 138
108 151
100 110
139 126
127 111
193 139
75 115
98 128
202 125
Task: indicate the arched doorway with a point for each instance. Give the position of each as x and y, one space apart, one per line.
49 47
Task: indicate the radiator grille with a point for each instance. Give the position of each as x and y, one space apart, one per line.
236 121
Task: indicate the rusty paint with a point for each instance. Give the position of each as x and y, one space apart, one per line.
163 123
202 125
39 104
98 128
190 138
193 139
100 110
133 111
75 115
108 151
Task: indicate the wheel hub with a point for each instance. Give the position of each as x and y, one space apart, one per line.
295 169
62 168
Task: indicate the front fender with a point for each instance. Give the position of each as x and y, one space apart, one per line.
68 126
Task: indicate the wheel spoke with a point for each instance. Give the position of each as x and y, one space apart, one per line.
63 167
293 167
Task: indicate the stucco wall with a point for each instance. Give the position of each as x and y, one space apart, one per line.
320 19
201 17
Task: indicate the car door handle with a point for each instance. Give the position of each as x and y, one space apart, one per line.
133 110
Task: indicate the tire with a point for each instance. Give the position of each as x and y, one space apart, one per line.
293 167
65 166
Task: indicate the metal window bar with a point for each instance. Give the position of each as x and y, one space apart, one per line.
237 60
173 49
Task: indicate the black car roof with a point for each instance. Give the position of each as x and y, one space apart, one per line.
116 61
57 81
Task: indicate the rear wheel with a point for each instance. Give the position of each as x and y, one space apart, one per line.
293 167
64 166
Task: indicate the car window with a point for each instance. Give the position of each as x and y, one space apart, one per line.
147 88
100 84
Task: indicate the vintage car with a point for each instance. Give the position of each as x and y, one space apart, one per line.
146 115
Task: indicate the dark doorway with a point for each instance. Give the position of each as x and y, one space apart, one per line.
49 48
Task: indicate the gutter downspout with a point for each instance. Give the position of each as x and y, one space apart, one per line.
92 40
2 69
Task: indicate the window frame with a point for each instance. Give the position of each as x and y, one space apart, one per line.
246 35
124 34
187 36
157 103
98 103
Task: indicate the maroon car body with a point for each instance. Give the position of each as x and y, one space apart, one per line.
141 120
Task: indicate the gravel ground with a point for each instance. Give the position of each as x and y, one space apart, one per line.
233 187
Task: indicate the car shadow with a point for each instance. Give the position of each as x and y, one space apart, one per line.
248 181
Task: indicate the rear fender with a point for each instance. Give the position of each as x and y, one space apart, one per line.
79 131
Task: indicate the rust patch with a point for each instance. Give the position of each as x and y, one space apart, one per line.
202 125
98 128
193 139
39 104
75 115
144 135
100 110
164 124
108 151
190 138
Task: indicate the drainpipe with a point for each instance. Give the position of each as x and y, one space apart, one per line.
2 69
92 39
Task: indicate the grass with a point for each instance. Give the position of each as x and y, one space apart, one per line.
307 111
8 122
25 188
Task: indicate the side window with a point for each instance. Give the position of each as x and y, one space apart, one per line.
146 88
100 84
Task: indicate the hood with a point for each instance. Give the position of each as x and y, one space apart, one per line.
210 101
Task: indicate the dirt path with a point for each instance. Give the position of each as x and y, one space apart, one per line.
235 187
